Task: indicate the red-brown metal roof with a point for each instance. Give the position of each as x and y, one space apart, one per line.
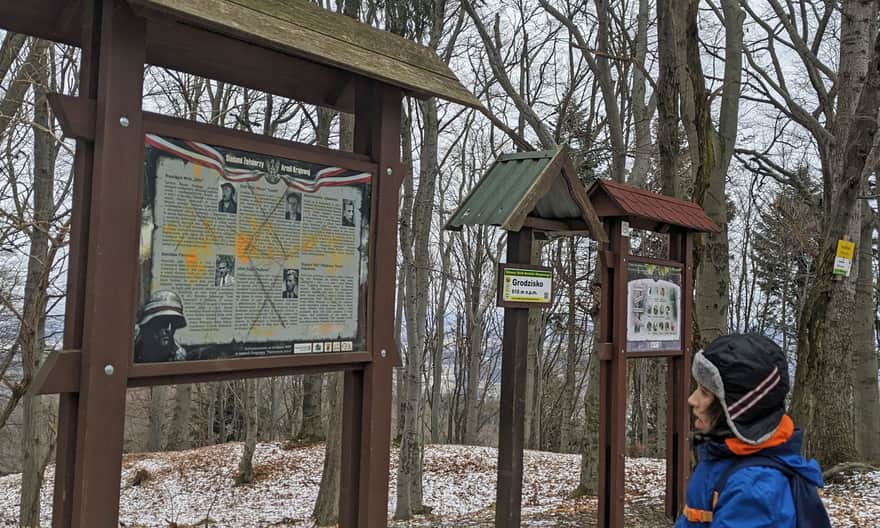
636 202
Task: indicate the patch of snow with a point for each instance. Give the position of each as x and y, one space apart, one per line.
189 487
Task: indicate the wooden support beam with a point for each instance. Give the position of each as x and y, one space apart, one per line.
511 417
575 187
543 224
108 332
366 427
76 115
679 383
60 371
74 312
641 354
612 379
56 20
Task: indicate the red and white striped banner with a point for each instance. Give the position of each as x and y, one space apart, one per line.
209 157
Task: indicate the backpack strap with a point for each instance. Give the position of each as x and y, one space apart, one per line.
697 516
744 462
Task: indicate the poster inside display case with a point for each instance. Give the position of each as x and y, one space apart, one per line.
653 315
244 254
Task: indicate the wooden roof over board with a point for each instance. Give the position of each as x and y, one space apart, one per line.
300 28
531 189
287 47
646 210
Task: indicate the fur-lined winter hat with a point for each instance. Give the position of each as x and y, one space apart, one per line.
748 373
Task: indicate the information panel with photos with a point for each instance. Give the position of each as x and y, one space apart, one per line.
244 254
653 320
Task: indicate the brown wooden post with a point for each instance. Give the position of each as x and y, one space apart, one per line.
108 332
511 416
678 383
62 505
366 435
612 378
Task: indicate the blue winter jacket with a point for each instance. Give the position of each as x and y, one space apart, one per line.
755 496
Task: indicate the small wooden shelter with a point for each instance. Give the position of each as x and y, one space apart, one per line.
538 194
528 194
624 301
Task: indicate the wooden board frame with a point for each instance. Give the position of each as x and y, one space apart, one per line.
95 369
76 115
658 352
223 137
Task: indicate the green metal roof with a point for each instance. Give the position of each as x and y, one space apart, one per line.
537 185
500 190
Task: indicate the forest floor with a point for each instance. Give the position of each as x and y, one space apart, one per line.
197 488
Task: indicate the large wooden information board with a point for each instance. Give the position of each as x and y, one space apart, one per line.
246 254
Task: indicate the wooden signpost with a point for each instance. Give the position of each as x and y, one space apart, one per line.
645 312
139 313
529 194
644 308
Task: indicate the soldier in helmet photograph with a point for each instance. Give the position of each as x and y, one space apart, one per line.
158 320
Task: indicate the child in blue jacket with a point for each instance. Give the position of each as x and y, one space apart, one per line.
739 410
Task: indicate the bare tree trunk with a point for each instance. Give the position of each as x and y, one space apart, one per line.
31 340
327 504
251 418
643 407
439 338
822 407
405 279
642 112
213 396
715 152
409 475
866 400
157 418
9 50
474 359
667 96
276 409
453 422
569 382
10 105
178 437
589 475
18 86
532 412
659 369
